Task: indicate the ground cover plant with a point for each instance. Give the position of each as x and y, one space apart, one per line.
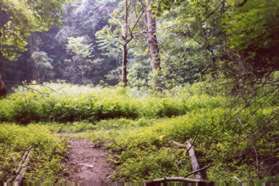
147 150
44 104
141 147
46 152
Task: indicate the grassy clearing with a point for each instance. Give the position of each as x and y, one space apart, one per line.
47 151
137 128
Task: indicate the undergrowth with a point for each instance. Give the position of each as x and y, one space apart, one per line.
47 152
237 140
38 103
230 149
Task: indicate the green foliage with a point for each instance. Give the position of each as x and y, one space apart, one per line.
23 18
254 20
253 36
107 40
79 46
139 75
228 42
73 127
151 163
43 65
47 152
236 140
225 142
40 103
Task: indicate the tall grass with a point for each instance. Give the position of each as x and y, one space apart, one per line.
65 103
47 151
237 140
226 143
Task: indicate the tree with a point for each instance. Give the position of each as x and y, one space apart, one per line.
123 25
253 29
126 39
43 66
152 37
127 36
79 46
20 19
3 90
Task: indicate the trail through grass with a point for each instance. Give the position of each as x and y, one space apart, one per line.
136 129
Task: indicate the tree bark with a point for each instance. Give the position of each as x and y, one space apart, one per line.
187 181
125 33
124 65
127 37
153 45
194 160
189 148
3 90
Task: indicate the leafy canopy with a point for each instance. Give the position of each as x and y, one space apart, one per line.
19 18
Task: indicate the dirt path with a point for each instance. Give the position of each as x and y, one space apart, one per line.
86 163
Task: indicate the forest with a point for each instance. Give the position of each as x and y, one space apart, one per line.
158 92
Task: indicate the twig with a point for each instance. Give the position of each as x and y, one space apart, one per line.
242 3
183 179
177 144
199 170
236 178
257 160
35 90
184 145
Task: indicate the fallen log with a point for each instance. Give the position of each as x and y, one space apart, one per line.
22 167
189 147
179 179
194 160
185 181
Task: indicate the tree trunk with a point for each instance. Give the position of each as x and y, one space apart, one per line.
3 90
124 65
125 32
153 45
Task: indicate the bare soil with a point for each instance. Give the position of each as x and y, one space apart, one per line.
86 163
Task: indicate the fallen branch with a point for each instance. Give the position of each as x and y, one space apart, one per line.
188 145
183 145
177 144
35 90
22 167
199 170
181 179
194 159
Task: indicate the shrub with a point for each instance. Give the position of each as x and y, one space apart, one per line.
226 142
96 104
47 151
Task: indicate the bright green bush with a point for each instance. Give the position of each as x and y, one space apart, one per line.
152 163
46 156
222 140
96 104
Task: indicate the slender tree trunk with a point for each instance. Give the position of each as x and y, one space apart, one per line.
124 65
125 32
3 90
154 51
